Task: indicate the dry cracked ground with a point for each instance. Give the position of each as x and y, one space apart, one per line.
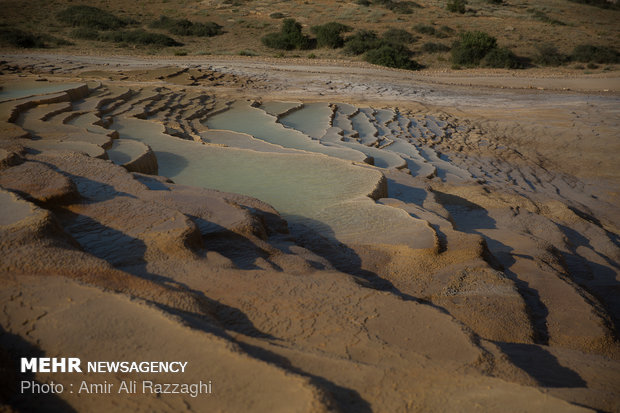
310 239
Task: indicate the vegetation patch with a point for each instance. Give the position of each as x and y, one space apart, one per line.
548 55
247 52
402 7
603 4
289 37
430 47
471 48
184 27
11 37
501 57
398 36
544 18
476 48
330 34
587 53
140 37
360 42
456 6
392 55
441 33
92 17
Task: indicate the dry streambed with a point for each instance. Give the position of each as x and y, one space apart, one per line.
415 245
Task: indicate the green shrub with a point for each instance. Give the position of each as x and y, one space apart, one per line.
431 47
398 36
184 27
456 6
360 42
363 2
288 38
277 15
330 34
392 55
598 54
85 33
88 16
501 58
548 55
471 48
139 36
247 52
180 52
21 39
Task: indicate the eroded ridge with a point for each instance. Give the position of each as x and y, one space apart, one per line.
333 253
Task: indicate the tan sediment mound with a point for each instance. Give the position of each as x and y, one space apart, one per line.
39 181
63 316
133 156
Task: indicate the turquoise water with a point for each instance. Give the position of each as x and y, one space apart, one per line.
241 117
17 90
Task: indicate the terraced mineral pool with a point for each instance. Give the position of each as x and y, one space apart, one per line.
276 108
18 90
312 119
322 192
241 117
125 150
14 209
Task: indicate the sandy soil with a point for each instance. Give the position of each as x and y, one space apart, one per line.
513 306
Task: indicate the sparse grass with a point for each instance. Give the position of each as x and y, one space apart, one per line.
91 17
430 47
402 7
587 53
398 35
501 57
441 33
18 38
247 52
603 4
456 6
510 21
184 27
85 33
548 55
544 18
139 37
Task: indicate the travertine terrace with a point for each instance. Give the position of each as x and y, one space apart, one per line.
335 239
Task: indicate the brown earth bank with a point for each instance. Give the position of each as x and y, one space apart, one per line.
477 272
